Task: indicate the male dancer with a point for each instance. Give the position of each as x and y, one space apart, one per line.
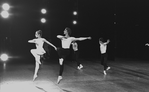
103 48
64 51
39 51
76 54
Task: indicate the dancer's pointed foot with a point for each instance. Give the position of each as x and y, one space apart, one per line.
108 68
104 72
35 76
80 66
59 79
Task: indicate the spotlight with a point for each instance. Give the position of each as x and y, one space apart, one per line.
5 14
75 13
43 20
43 11
74 22
4 57
6 6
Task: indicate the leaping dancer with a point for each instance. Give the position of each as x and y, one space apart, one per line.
64 51
39 51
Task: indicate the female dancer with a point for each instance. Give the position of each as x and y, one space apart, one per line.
64 51
39 51
103 49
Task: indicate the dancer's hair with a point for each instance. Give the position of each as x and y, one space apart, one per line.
68 30
39 32
101 39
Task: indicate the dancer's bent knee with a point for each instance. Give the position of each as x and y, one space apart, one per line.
33 51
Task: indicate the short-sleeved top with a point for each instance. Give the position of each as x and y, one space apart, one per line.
66 42
103 48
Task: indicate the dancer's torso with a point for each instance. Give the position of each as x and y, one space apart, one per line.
103 48
66 42
39 44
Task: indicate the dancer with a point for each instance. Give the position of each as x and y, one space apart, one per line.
64 51
76 54
39 51
103 49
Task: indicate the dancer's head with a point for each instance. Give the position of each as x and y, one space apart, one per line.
101 40
38 34
67 31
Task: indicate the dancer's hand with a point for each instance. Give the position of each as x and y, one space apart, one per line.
88 37
55 48
146 44
108 40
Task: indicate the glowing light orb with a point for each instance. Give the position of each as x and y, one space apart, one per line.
74 22
6 6
43 11
75 13
43 20
4 57
4 14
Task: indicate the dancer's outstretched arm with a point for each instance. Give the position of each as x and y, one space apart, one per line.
107 42
50 44
60 36
31 41
81 38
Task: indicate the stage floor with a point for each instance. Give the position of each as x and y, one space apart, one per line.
124 76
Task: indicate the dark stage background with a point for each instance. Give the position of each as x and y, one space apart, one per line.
124 22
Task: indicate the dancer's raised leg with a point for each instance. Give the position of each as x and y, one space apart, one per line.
36 55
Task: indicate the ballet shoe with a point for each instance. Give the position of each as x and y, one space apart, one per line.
104 72
108 68
80 67
59 79
35 76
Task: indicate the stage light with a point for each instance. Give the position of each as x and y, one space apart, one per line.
74 22
4 57
75 13
5 6
5 14
43 20
43 11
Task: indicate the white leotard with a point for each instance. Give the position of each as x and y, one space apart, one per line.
39 45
